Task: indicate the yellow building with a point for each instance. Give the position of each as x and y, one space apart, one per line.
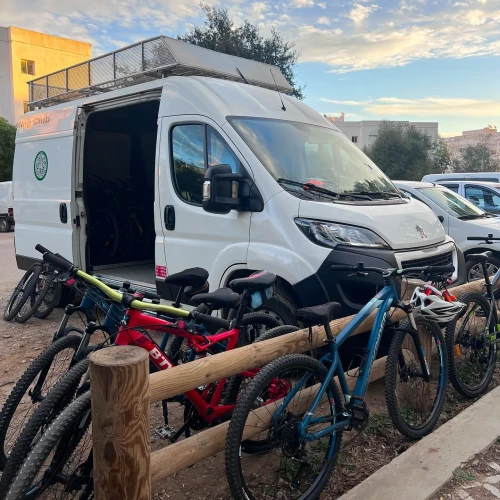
24 55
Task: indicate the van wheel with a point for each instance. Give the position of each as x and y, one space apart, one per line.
475 270
281 306
4 226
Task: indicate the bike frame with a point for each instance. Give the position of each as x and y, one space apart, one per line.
209 408
383 302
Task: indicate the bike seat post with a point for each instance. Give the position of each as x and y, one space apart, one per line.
487 281
329 334
241 308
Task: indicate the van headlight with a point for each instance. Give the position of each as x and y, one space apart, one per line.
332 234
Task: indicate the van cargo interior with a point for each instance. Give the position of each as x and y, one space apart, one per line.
118 191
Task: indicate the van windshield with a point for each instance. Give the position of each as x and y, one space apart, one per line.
321 156
452 203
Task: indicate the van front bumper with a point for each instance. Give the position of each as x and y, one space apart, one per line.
353 292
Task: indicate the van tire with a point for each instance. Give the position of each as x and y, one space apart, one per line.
282 305
4 226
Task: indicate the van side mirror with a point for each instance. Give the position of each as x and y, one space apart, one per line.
224 191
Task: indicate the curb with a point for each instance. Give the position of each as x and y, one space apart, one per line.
428 465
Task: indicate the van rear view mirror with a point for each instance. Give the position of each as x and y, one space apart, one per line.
224 190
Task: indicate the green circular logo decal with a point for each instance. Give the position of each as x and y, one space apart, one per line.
41 165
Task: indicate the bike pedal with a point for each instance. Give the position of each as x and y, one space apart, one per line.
165 431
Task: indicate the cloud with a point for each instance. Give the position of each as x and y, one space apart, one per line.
300 4
425 107
359 13
323 20
476 17
322 5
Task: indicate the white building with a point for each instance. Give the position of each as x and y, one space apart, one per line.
363 133
488 135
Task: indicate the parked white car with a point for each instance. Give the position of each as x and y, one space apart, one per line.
485 195
460 219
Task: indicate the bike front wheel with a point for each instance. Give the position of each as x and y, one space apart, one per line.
292 467
60 465
416 376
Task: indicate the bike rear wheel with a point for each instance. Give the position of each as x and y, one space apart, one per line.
22 401
415 403
42 287
60 465
471 355
292 467
50 301
22 292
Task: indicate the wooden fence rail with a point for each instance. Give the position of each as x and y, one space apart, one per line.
180 379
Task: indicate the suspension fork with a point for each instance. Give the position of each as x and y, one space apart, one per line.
420 350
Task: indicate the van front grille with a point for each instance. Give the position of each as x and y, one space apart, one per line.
445 259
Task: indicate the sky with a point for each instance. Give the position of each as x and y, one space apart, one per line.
417 60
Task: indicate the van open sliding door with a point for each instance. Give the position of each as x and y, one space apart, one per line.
43 184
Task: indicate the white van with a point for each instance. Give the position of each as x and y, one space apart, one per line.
473 176
115 182
6 209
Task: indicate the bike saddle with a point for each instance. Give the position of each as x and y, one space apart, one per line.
256 281
221 298
318 315
479 257
194 276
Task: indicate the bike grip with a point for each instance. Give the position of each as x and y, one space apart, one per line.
150 295
59 262
440 269
335 267
41 248
212 320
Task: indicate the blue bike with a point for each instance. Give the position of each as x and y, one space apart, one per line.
287 446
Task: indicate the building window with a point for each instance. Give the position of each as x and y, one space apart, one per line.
25 107
354 139
27 67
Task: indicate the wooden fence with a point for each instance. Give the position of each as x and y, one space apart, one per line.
122 393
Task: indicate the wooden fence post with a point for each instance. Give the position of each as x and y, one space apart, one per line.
120 423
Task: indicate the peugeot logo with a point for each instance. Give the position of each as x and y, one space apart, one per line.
421 231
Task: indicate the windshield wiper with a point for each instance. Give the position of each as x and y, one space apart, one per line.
386 194
474 216
308 186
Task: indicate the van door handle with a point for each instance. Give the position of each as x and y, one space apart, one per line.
63 213
169 217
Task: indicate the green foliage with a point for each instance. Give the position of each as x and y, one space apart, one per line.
220 33
476 159
440 155
7 142
463 475
404 153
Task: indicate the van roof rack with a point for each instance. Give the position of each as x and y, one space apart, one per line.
148 60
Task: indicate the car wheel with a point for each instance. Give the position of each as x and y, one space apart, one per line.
475 270
4 226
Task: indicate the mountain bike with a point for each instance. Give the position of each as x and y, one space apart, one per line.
473 343
202 407
22 291
300 434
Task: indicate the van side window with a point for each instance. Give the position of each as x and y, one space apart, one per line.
195 147
188 153
219 152
453 187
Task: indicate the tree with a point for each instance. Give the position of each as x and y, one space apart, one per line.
404 153
440 155
7 143
220 33
476 158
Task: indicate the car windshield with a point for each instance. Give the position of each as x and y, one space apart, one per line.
452 203
311 154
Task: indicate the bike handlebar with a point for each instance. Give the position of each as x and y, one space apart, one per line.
486 239
59 262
